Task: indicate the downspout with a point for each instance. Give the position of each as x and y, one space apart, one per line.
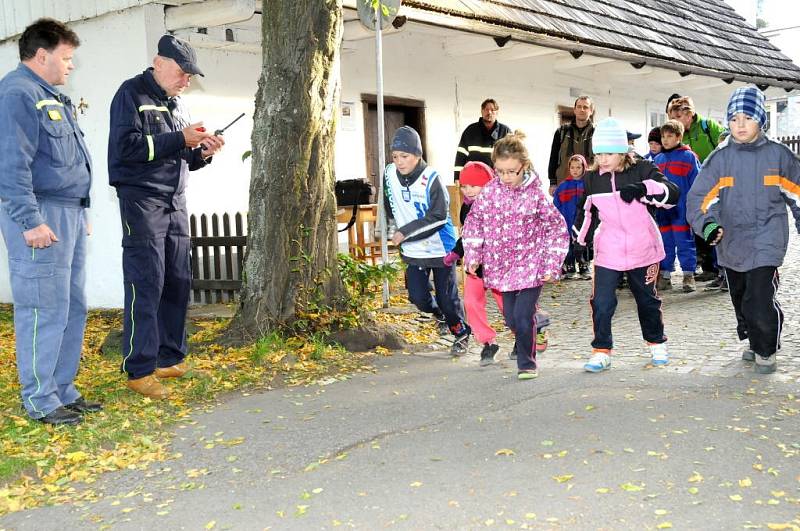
209 13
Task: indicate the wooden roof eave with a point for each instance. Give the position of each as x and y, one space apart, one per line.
481 27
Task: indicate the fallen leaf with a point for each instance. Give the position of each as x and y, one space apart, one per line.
564 478
505 451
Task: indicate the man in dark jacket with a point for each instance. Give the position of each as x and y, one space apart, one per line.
477 140
572 139
151 149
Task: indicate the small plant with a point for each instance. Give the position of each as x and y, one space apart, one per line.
359 276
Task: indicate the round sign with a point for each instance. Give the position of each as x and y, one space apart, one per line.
388 9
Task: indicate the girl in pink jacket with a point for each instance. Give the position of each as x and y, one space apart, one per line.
619 194
515 232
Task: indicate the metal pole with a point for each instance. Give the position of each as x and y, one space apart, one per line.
381 146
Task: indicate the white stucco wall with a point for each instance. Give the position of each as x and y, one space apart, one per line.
112 49
119 45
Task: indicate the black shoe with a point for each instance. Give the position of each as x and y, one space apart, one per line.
61 415
488 353
460 345
82 406
705 276
441 325
513 354
583 272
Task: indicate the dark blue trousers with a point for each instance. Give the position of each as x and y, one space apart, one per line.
519 310
447 301
642 283
158 278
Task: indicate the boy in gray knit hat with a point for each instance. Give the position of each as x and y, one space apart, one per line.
417 199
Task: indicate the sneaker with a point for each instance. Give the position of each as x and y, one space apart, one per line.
513 354
441 325
584 273
541 342
460 345
663 283
623 282
766 365
488 353
717 284
689 283
705 276
659 353
599 362
527 374
748 355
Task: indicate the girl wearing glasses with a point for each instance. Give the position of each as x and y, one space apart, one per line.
620 192
515 232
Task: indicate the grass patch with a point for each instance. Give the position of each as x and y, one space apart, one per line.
41 464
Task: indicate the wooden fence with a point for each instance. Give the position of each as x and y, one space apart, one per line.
217 257
793 142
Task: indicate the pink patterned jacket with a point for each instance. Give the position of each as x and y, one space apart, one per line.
517 234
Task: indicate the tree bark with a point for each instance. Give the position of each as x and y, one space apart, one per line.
292 241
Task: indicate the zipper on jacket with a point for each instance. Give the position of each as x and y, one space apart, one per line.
619 216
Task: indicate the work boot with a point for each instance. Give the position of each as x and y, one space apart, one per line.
688 283
149 386
663 283
175 371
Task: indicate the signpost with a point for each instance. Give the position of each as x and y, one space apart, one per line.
369 12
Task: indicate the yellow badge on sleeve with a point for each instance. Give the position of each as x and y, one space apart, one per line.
54 114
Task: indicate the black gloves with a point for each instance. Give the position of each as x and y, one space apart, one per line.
632 191
711 231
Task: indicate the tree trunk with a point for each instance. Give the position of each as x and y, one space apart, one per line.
292 240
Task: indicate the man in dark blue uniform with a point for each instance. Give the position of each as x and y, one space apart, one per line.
152 147
45 177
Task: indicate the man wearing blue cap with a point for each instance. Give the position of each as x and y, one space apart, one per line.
152 147
738 204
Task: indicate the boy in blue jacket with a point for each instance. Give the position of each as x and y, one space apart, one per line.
680 165
738 204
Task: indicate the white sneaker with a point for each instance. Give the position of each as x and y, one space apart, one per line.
659 353
599 362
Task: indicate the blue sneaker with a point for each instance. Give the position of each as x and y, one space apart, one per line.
599 362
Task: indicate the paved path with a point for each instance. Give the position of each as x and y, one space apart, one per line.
434 443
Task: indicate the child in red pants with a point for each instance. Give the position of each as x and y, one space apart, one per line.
472 179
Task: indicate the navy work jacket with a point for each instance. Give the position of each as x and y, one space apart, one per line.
147 155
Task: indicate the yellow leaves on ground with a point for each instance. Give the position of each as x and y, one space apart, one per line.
40 464
564 478
505 451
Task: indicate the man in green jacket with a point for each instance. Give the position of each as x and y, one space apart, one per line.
702 135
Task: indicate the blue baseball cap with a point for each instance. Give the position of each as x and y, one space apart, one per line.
181 52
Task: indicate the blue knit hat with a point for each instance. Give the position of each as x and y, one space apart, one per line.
749 101
610 137
407 140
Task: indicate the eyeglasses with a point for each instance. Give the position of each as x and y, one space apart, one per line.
503 173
